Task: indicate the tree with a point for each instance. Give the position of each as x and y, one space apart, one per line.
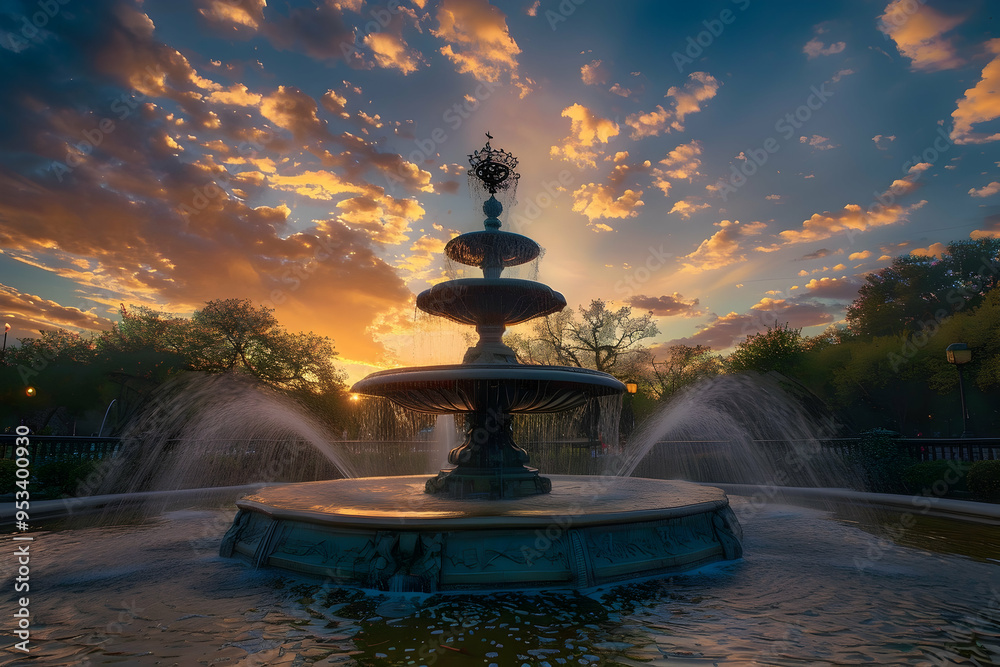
601 339
683 366
915 292
777 349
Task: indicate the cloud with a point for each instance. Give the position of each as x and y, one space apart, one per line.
688 207
699 88
726 331
818 254
991 229
532 10
28 312
320 32
818 142
864 254
815 48
239 17
666 305
986 190
840 289
478 41
723 248
594 73
980 104
587 129
773 197
603 201
682 162
934 250
882 142
917 31
390 51
853 217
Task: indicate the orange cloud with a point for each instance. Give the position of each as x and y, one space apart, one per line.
603 201
391 51
683 162
478 40
980 104
587 129
688 207
699 88
917 31
723 248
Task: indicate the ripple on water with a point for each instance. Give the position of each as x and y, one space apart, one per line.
159 594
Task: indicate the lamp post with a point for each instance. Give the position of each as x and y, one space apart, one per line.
628 415
3 355
959 354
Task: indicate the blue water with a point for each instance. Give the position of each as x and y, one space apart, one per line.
814 588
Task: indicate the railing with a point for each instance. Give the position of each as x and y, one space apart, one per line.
60 447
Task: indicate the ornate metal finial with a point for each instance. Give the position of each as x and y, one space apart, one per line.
494 167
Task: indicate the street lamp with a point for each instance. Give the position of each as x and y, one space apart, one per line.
960 354
6 328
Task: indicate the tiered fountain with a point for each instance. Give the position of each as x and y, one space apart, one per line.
472 527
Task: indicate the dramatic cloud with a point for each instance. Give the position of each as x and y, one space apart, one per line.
980 104
688 207
29 313
723 248
917 31
839 289
681 163
726 331
986 190
666 305
853 218
478 41
855 256
594 73
603 201
392 52
587 129
814 48
699 88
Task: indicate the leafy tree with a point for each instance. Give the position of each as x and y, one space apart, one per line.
601 339
777 349
684 365
915 292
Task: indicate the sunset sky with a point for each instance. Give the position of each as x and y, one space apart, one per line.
727 165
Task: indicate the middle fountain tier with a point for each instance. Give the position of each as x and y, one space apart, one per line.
490 384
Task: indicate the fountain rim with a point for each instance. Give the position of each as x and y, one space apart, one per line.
467 372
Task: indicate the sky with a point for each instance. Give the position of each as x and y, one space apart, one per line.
726 165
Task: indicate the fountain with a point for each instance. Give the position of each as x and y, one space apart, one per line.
491 521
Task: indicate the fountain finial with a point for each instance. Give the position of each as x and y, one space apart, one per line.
493 171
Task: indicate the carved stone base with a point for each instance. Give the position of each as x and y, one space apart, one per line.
474 483
384 533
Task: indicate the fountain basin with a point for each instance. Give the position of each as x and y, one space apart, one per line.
384 533
508 388
491 301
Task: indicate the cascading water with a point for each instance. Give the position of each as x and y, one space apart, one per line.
221 430
735 429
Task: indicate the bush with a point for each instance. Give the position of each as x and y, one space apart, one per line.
984 480
879 462
62 478
936 478
8 470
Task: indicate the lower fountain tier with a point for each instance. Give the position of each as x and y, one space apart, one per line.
495 302
385 533
507 388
